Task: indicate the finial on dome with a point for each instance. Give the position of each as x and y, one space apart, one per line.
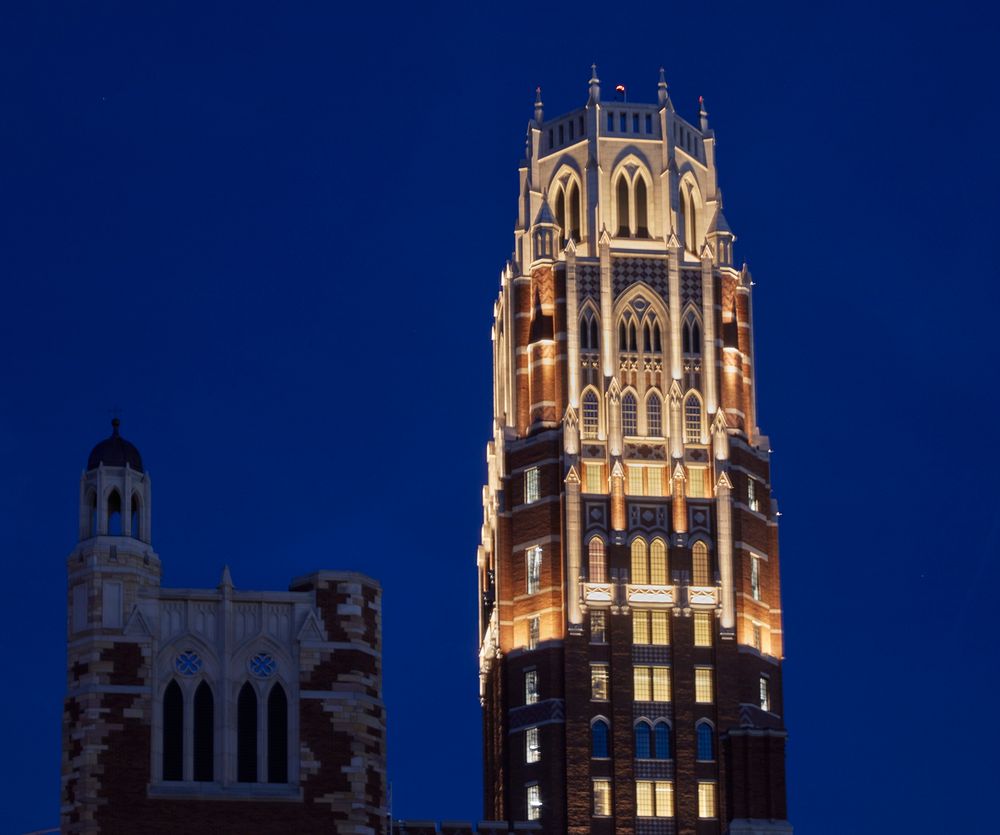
595 85
539 110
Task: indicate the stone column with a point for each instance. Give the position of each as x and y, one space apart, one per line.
724 513
572 328
708 315
573 536
676 323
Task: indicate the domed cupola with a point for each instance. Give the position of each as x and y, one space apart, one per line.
115 451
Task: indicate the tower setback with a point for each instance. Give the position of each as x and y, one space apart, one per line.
630 614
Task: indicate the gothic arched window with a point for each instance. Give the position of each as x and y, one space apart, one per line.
657 347
599 739
706 741
654 415
622 336
588 332
624 228
690 218
630 415
246 735
692 419
640 565
173 732
277 736
561 214
591 415
92 514
661 741
699 564
597 567
135 516
114 514
658 563
204 733
647 342
574 212
633 344
641 220
643 746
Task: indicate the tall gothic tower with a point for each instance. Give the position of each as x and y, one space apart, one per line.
630 617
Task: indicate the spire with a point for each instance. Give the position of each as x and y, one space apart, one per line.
539 111
662 95
545 213
595 85
227 581
703 113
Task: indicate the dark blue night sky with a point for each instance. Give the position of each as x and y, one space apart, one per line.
272 236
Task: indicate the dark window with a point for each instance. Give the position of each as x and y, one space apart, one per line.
641 219
585 332
574 212
611 121
635 123
561 214
571 131
246 735
92 514
647 343
581 126
632 342
661 740
135 516
706 741
695 337
594 341
656 338
623 225
686 337
277 736
173 733
649 123
642 741
623 122
204 733
622 337
599 739
551 143
114 514
561 135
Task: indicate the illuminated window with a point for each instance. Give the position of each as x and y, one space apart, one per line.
703 685
661 741
599 682
651 684
602 798
755 577
534 628
643 740
659 628
654 481
765 695
699 564
530 687
661 684
598 627
591 415
654 415
706 741
635 480
752 500
696 482
640 565
599 740
658 563
640 627
692 419
594 474
597 567
531 486
630 415
534 802
706 800
642 684
532 750
534 560
756 637
703 629
654 798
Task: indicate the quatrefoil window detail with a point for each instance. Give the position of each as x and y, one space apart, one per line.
263 665
187 663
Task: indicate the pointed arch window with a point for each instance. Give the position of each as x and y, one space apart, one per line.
246 735
630 415
597 568
277 735
692 419
574 212
624 227
591 415
92 514
204 733
706 741
661 741
657 346
135 517
699 564
643 741
114 513
658 563
622 336
647 341
682 217
640 563
589 339
641 209
599 740
560 203
691 335
632 341
690 235
654 415
173 732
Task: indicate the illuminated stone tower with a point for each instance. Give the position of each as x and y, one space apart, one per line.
631 637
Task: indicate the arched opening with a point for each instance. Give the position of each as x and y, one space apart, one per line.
114 514
277 736
585 332
706 741
641 208
246 735
92 513
647 340
640 565
658 563
699 564
574 212
630 415
661 741
682 217
204 733
599 739
173 732
657 347
594 341
632 341
642 741
135 517
561 215
622 336
597 566
591 415
690 234
624 228
692 419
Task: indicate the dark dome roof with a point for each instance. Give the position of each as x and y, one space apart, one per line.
115 452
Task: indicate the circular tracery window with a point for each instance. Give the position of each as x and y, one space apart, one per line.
187 663
262 665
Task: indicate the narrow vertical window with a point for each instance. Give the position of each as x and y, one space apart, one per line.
752 502
135 518
561 213
534 566
114 514
706 741
585 333
654 481
532 491
647 341
640 628
594 475
664 798
682 218
703 629
173 732
591 415
624 228
204 733
623 122
530 687
692 419
534 630
602 798
640 564
657 346
92 514
706 800
661 741
654 415
598 627
695 337
246 735
641 209
599 682
696 482
658 563
661 684
699 564
599 740
632 342
534 802
594 340
630 415
635 486
622 336
703 685
635 123
574 212
756 637
611 121
643 736
277 735
765 693
659 628
649 123
597 561
641 684
532 749
644 799
755 577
